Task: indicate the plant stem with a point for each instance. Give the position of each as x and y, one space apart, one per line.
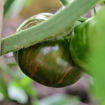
59 24
1 19
95 11
65 3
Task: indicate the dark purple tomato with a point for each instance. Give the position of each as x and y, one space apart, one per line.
48 62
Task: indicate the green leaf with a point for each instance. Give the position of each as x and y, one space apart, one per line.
97 58
18 94
27 2
25 83
3 87
59 24
101 1
7 6
18 5
64 2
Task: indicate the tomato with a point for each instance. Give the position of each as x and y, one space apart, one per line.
79 46
48 62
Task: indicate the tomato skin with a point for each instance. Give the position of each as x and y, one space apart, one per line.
79 46
48 62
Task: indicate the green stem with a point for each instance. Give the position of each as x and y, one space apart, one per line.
65 3
3 88
95 11
60 24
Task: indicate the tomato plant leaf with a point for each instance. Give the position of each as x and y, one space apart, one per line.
97 58
3 87
60 24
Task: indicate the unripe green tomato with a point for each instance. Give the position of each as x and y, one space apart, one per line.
48 62
79 48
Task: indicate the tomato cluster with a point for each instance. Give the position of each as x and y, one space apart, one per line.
48 62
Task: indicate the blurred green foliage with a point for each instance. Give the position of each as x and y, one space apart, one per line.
59 99
97 57
3 87
28 2
18 4
7 5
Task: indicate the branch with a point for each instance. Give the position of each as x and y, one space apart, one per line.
1 19
53 27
